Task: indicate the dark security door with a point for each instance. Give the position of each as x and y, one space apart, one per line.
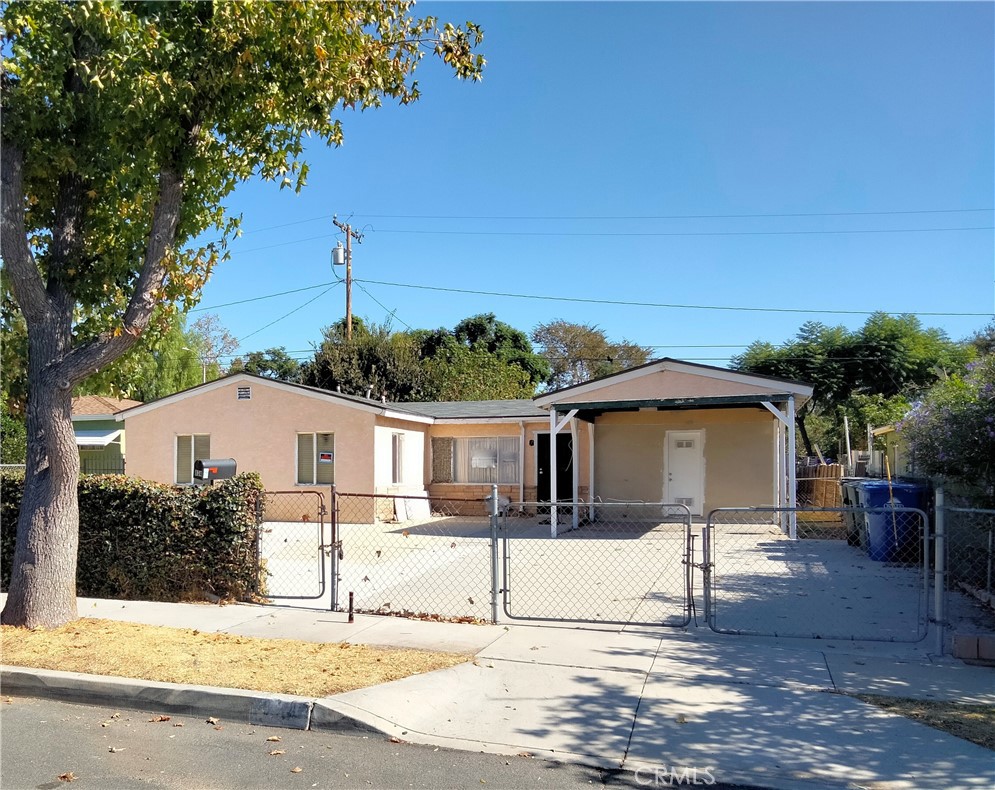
564 467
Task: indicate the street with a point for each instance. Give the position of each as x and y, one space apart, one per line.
105 748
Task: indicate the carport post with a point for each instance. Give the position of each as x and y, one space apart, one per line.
494 553
939 570
792 482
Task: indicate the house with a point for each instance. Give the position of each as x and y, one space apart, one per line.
99 435
666 431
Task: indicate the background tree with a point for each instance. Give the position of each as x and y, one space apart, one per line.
273 363
13 352
215 344
580 352
460 373
13 436
951 430
125 126
484 333
872 373
376 363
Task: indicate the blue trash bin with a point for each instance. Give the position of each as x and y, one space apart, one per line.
891 537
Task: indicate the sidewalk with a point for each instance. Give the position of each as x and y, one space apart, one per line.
749 710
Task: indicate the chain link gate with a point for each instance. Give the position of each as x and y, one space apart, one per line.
851 573
413 556
291 547
619 563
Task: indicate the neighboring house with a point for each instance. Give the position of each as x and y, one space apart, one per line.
99 436
666 431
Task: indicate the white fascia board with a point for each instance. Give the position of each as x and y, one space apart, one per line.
401 415
243 378
488 420
93 417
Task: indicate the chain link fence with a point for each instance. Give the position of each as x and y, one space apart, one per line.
413 556
293 546
851 573
619 563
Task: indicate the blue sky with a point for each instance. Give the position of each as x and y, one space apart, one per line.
572 169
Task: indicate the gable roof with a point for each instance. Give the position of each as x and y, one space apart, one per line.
100 406
363 404
750 382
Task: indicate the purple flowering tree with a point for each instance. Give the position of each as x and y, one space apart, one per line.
951 431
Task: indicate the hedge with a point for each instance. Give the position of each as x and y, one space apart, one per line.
148 541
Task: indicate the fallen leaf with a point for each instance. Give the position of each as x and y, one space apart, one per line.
178 724
219 727
211 720
405 533
682 719
160 718
452 545
278 751
275 738
68 776
394 739
296 769
115 749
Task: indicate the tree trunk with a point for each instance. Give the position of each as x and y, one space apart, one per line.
43 577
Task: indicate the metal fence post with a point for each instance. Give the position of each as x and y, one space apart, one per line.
939 571
334 549
494 553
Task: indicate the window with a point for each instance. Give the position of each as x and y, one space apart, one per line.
190 447
315 459
397 458
489 460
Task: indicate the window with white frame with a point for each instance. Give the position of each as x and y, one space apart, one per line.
189 448
492 459
397 458
315 459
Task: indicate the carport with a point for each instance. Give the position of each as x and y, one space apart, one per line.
746 417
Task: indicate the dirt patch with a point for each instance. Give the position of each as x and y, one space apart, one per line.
975 723
182 655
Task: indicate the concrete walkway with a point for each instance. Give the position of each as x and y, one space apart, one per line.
756 711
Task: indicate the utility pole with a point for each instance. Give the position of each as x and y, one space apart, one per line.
350 234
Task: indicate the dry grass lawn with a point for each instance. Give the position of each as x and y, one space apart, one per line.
975 723
181 655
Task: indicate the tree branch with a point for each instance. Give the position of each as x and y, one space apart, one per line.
25 279
108 346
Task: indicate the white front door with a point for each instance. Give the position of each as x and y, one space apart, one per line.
684 469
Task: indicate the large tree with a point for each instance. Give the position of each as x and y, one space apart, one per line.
125 125
870 373
580 352
273 363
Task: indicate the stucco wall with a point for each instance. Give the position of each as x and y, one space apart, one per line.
669 384
413 459
260 434
629 455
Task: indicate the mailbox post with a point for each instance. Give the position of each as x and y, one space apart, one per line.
207 470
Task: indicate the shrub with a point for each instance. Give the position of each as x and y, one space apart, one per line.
150 541
951 431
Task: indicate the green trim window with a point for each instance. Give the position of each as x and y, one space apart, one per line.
190 447
315 459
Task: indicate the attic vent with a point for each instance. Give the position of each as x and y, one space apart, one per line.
685 442
244 393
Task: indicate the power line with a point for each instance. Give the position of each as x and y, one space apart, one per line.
286 315
679 216
675 233
579 217
260 298
659 304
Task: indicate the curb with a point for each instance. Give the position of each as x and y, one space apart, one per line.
248 707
